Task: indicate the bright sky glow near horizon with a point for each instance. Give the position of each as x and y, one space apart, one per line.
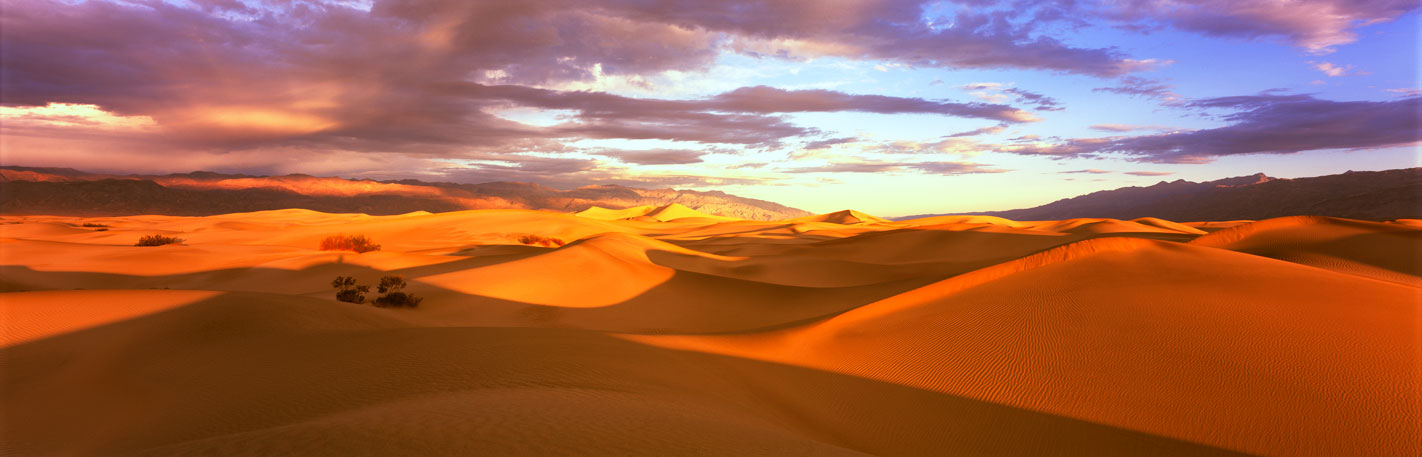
893 107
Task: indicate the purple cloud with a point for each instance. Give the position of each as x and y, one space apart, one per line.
822 144
1262 124
1142 87
1317 25
1042 102
655 156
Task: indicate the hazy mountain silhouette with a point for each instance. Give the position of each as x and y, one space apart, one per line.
64 191
1372 195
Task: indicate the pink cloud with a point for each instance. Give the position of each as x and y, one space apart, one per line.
1316 25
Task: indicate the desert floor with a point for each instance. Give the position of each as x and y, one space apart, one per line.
658 331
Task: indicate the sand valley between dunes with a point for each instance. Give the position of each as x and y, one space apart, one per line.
663 331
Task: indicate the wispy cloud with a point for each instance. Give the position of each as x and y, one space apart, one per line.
1128 127
937 168
1144 87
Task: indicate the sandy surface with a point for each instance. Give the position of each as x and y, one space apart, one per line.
662 331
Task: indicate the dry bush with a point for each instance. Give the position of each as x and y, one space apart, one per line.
91 224
391 295
348 291
357 243
540 240
157 240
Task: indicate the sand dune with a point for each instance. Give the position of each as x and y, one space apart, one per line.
662 331
847 216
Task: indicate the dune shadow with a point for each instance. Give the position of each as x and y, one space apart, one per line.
223 373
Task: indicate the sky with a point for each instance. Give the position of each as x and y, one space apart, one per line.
893 107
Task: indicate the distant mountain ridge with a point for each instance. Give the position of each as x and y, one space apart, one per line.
69 192
1370 195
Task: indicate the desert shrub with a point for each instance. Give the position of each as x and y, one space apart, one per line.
540 240
357 243
391 294
101 230
390 289
92 224
348 291
157 240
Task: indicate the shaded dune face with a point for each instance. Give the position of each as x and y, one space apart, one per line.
657 331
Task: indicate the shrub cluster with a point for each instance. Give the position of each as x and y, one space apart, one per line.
357 243
390 289
157 240
540 240
92 224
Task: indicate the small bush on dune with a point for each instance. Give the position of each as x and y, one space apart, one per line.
391 295
157 240
91 224
348 291
540 240
357 243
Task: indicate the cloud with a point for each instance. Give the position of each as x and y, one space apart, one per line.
1332 70
1405 92
655 156
1143 87
936 168
762 99
891 30
1260 124
981 86
993 92
564 172
1089 170
1128 127
953 144
337 75
991 129
1316 25
1149 173
823 144
1042 102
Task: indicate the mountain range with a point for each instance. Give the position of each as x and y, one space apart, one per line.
1370 195
69 192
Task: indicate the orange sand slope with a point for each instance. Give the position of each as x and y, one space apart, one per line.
664 331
